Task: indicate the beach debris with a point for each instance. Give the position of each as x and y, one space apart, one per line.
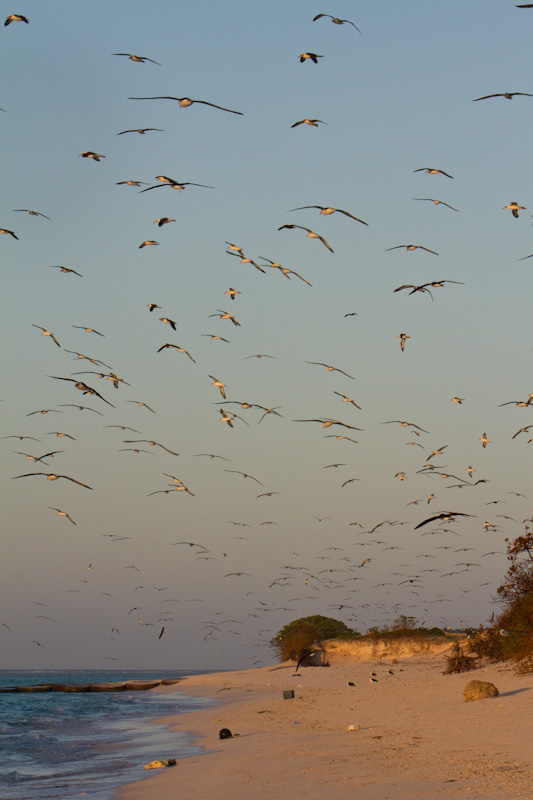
459 661
288 694
353 727
166 762
225 733
478 690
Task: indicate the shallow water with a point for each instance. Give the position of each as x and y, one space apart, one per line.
70 744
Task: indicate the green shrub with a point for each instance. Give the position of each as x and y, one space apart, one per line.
301 636
403 627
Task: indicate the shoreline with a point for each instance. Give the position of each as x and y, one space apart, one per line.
413 736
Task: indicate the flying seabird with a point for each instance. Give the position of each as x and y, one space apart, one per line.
436 202
445 516
330 368
50 476
507 95
140 130
411 247
310 234
514 208
47 333
313 122
313 56
432 171
140 59
184 102
66 270
33 213
15 18
92 154
336 20
328 210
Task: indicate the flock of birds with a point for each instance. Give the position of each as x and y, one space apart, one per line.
328 579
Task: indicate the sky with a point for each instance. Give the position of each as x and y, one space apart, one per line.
286 526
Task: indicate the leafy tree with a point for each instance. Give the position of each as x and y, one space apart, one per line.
299 637
516 593
519 578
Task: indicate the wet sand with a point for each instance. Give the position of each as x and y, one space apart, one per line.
414 736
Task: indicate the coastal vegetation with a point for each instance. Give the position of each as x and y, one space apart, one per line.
401 627
510 637
300 636
298 639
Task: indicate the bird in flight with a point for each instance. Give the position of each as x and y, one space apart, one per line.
411 247
62 514
225 315
130 183
507 95
11 233
163 221
310 234
327 423
184 102
444 516
33 213
484 441
423 287
328 210
313 122
220 385
436 202
169 322
88 330
346 399
140 403
336 20
15 18
147 242
47 333
140 130
83 388
66 270
152 444
174 184
313 56
514 208
244 475
403 338
39 458
140 59
431 171
330 368
92 154
404 424
176 347
50 476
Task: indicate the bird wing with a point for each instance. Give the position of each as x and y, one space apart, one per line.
351 216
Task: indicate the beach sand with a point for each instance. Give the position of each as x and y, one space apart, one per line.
414 736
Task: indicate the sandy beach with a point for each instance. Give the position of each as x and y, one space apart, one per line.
413 735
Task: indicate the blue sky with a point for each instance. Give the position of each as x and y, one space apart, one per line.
395 99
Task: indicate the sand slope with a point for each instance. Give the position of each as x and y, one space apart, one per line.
414 737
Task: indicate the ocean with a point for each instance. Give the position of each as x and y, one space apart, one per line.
72 744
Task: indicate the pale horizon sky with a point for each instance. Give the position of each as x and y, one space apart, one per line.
394 99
